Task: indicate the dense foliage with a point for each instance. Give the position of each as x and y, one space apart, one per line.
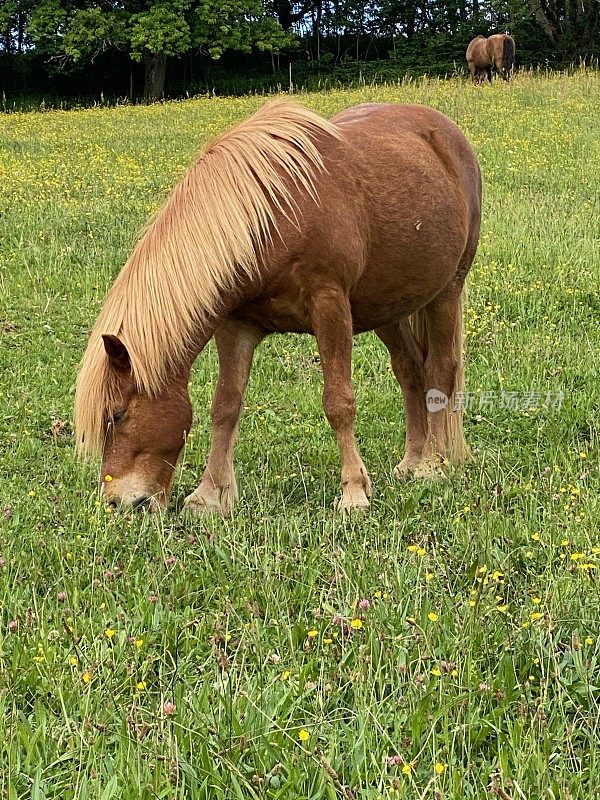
84 47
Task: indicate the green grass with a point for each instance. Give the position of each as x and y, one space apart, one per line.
480 647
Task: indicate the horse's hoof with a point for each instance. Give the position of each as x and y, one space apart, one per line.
202 506
353 501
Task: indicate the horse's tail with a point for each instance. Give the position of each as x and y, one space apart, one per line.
457 449
508 55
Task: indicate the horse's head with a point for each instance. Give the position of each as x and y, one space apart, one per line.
144 435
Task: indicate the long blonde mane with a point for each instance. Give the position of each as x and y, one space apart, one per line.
209 234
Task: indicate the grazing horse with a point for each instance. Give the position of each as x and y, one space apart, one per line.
289 222
495 53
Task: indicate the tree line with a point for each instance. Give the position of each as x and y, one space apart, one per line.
128 45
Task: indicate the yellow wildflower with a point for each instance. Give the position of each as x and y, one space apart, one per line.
432 616
304 735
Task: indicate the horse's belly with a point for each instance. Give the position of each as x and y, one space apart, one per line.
385 293
367 315
384 296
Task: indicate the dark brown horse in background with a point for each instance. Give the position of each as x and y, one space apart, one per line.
486 55
289 222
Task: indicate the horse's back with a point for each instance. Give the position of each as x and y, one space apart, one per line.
395 122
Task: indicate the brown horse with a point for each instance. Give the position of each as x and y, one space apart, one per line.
495 53
289 223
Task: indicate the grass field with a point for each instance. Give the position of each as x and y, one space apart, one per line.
446 645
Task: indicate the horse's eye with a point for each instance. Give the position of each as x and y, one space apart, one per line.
118 416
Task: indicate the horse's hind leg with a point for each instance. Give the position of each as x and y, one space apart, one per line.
443 376
407 360
331 319
489 73
217 491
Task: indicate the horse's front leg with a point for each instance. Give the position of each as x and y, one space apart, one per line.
217 491
332 325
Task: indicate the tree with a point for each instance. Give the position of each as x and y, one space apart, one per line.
76 31
13 35
161 29
239 25
13 15
289 13
572 26
399 16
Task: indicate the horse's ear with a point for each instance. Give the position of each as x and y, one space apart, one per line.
116 352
